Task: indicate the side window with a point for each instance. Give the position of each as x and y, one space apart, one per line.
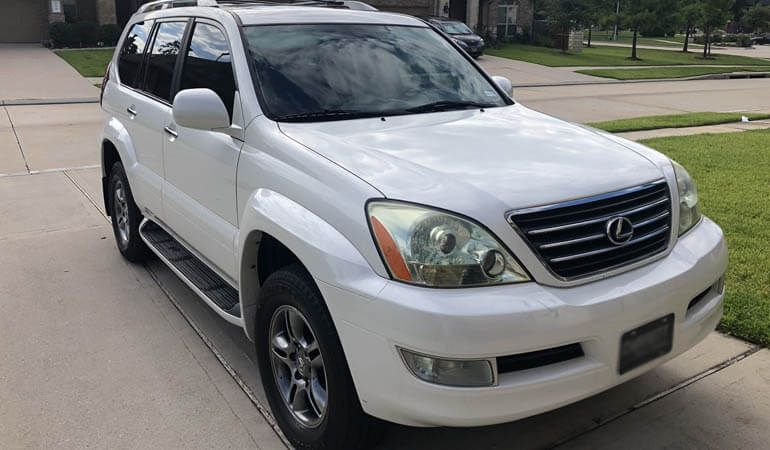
207 64
162 59
132 53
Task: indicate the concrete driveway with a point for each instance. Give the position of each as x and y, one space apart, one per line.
31 72
97 352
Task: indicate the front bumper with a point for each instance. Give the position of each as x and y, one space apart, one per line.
504 320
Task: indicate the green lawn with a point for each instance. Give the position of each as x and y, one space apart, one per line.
667 72
732 172
90 63
614 56
674 121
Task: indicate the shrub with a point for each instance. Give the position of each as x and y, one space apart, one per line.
86 33
109 34
62 34
744 40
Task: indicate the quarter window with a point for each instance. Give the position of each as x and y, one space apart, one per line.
130 60
162 59
208 65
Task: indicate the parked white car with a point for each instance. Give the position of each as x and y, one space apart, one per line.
400 238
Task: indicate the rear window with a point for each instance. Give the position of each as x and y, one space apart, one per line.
130 60
162 59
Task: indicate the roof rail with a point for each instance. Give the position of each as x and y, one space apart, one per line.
166 4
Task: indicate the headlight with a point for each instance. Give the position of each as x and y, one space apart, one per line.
433 248
689 213
461 43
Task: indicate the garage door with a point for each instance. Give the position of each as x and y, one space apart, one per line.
21 21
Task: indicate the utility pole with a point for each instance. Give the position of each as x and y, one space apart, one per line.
617 12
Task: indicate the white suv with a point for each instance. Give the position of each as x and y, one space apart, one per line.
400 239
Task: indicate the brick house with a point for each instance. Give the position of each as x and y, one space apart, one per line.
28 20
495 17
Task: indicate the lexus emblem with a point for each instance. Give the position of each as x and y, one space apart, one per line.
619 230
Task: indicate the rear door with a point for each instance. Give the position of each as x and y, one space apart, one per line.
141 117
199 195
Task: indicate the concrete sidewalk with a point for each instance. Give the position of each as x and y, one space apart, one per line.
687 131
31 72
524 73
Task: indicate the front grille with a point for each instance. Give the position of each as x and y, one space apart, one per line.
571 237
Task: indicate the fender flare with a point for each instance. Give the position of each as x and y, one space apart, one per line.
322 249
116 134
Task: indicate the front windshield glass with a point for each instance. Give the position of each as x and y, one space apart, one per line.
456 28
314 72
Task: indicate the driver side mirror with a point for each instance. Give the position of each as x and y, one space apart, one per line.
201 109
504 84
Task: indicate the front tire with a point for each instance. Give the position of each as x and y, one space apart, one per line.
303 367
126 216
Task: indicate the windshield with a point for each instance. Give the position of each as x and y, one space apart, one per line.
455 28
313 72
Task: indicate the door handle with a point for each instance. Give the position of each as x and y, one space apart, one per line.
170 131
131 110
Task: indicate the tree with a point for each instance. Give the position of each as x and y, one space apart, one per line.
596 13
636 14
565 16
757 17
714 14
689 14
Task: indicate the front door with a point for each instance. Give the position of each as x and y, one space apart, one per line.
199 192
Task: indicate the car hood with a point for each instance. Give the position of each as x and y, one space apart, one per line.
466 161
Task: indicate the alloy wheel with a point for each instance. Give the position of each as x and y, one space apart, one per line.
298 366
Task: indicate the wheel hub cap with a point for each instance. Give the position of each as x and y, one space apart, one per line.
298 366
121 212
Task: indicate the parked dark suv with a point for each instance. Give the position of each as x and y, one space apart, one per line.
462 35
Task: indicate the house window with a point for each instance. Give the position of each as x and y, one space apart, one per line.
507 12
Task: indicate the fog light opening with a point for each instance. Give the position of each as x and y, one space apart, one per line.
450 372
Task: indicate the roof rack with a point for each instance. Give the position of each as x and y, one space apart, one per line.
166 4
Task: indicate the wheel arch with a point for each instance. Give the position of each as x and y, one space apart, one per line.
280 232
115 145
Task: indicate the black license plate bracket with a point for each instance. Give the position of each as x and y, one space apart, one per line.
645 343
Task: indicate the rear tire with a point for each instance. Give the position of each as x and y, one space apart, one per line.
330 414
126 216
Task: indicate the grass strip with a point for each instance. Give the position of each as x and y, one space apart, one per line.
615 56
674 121
89 63
667 72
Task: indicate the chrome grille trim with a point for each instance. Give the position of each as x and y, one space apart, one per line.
580 247
609 249
600 219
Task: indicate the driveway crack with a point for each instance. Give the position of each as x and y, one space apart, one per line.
18 142
660 395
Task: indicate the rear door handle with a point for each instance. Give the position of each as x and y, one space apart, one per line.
170 131
131 110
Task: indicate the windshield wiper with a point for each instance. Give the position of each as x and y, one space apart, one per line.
328 114
447 105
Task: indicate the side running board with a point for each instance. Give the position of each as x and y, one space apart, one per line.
193 271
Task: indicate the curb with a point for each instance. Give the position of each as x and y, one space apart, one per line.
722 76
48 101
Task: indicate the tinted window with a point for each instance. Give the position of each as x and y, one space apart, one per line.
339 71
162 59
207 64
130 61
